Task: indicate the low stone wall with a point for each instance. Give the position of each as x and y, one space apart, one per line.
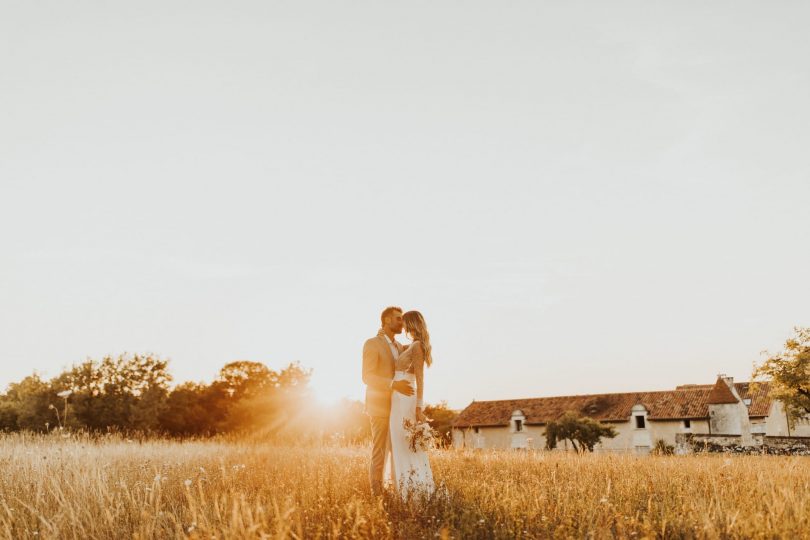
688 443
789 446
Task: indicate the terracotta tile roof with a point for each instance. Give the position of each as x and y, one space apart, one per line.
756 392
721 394
685 402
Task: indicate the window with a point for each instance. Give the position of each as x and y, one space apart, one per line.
747 401
475 429
687 424
640 422
517 421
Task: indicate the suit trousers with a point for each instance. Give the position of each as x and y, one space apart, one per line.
380 446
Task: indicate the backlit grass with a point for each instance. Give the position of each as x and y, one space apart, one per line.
52 487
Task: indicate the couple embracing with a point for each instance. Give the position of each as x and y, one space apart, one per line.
394 378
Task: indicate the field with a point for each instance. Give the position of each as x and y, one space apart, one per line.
53 487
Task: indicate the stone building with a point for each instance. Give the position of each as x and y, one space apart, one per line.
640 418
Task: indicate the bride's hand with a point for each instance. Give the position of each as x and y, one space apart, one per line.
420 416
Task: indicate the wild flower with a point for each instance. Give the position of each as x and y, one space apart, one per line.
420 435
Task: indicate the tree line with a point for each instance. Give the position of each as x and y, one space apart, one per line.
133 393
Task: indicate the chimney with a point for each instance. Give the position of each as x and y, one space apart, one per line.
727 379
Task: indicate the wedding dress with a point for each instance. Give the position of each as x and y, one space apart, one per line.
406 469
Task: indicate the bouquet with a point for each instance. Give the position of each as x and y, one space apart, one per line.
420 435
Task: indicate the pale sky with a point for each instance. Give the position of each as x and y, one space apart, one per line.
579 196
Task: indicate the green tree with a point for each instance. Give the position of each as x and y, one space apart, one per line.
194 409
577 429
28 403
789 374
124 392
8 414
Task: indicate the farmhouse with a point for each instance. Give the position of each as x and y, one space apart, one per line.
640 418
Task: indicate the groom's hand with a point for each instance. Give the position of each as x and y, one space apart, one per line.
403 387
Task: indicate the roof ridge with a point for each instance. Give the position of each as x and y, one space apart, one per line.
661 405
635 392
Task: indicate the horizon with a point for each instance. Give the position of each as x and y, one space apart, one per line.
577 198
329 401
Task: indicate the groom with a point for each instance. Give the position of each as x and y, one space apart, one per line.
379 357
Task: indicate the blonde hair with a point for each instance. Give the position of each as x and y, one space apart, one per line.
416 326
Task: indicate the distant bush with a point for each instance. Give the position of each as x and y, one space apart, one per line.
661 448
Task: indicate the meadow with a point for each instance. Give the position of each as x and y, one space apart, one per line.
77 487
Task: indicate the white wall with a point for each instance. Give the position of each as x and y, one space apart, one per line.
777 426
628 438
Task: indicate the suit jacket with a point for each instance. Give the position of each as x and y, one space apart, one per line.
378 372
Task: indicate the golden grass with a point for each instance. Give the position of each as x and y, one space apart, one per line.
57 488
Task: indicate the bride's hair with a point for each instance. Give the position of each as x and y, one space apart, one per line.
415 325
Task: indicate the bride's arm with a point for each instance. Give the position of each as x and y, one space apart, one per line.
419 371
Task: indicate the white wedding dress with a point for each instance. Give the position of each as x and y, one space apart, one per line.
409 471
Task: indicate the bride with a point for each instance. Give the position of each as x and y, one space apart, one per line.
406 469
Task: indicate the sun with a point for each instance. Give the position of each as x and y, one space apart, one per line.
327 392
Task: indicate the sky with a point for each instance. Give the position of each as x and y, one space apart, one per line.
580 197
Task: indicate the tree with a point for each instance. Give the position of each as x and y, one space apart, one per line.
246 379
27 404
126 392
263 401
789 374
441 420
194 409
8 414
577 429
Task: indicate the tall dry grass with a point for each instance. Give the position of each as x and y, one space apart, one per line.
69 488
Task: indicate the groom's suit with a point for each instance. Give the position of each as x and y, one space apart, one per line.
378 372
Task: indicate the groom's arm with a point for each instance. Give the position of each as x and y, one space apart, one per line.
370 361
